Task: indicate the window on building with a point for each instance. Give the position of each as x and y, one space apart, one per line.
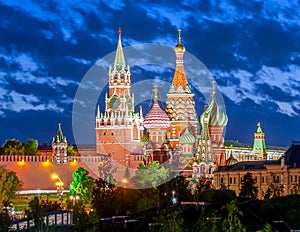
262 179
202 168
234 180
291 177
222 180
230 180
296 178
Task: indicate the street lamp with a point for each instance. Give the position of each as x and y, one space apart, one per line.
74 199
59 186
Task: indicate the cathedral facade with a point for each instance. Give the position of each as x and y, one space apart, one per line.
173 135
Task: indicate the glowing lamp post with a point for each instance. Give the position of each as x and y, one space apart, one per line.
74 199
59 186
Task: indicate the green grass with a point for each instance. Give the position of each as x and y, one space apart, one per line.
21 201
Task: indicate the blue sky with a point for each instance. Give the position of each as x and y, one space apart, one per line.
251 48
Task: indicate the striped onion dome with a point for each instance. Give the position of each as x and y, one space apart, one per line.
156 117
187 137
145 139
213 115
231 160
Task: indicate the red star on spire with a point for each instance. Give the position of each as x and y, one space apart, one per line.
119 31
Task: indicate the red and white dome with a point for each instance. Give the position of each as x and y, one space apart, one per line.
156 118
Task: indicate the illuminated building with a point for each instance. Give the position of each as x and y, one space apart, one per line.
119 129
59 146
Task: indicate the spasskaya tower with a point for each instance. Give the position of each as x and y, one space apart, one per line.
119 128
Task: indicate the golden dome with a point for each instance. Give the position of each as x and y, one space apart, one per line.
179 47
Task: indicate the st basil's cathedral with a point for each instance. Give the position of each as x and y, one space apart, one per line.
173 135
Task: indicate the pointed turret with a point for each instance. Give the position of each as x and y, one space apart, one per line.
259 151
180 105
119 59
180 83
59 135
59 146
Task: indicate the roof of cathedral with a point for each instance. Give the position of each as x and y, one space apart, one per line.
156 117
213 114
187 137
179 47
231 160
179 80
145 139
119 59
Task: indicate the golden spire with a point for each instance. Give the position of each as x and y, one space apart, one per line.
213 87
179 47
179 36
155 93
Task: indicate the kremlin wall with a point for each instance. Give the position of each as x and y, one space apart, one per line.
171 136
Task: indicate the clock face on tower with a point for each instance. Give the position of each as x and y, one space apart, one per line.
114 102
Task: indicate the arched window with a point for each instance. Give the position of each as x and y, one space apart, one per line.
202 168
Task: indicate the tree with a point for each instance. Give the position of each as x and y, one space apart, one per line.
70 151
82 184
275 188
232 221
102 200
150 176
9 185
248 188
31 148
13 147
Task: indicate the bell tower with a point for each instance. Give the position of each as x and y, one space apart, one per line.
180 105
119 129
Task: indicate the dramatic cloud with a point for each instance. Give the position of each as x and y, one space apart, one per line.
252 49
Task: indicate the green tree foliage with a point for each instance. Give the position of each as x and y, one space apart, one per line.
170 222
31 148
267 228
70 151
4 221
150 176
222 196
292 218
82 184
13 147
232 222
9 185
248 188
103 198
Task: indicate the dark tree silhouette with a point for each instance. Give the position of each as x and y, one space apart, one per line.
248 188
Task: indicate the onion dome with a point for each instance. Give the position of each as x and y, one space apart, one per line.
157 146
231 160
179 47
187 137
165 146
156 117
213 115
145 139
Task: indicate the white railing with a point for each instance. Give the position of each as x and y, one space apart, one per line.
51 159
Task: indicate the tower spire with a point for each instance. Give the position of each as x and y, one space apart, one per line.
119 59
213 88
155 93
179 36
179 79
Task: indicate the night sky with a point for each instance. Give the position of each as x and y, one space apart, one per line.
252 48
